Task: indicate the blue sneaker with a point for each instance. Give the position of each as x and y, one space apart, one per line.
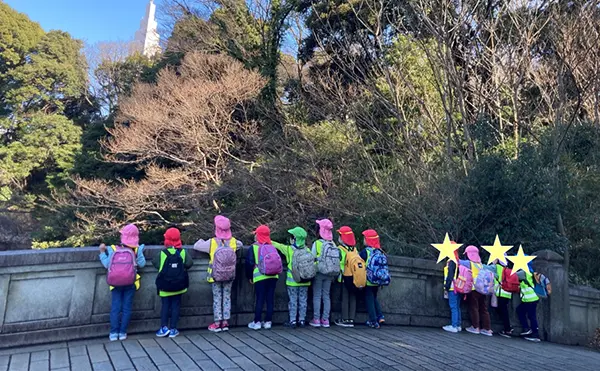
381 319
162 332
173 332
122 336
113 337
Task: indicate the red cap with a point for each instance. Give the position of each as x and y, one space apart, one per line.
263 234
371 238
173 238
347 235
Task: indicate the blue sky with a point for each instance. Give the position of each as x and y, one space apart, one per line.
88 20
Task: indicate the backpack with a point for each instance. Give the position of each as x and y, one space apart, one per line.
269 261
463 283
173 277
542 287
358 267
224 262
303 265
378 272
484 282
510 282
329 261
121 268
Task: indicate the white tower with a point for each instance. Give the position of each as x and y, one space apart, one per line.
147 37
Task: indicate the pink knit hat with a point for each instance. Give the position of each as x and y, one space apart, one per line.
473 254
325 229
222 227
130 235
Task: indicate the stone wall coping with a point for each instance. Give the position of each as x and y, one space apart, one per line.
584 291
549 255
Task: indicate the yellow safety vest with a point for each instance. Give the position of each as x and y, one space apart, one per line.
499 292
256 275
528 294
446 276
213 248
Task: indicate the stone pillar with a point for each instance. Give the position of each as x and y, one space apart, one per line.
553 312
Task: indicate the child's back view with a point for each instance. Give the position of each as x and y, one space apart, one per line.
301 270
371 251
328 267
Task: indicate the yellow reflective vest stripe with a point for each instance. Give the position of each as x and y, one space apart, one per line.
446 276
499 292
213 248
256 275
528 294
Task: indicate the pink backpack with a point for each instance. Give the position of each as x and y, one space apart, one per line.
121 268
224 262
269 261
463 283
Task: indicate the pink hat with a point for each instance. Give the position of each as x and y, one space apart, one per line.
222 227
130 235
325 229
473 254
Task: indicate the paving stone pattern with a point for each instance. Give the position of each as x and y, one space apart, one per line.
360 348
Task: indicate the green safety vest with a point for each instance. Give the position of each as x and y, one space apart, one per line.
163 257
528 294
446 276
256 275
499 292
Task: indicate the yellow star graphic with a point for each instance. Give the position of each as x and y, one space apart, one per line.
497 251
446 249
520 261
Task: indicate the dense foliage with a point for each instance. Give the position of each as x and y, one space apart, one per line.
415 118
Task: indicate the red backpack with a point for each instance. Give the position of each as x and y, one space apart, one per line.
510 282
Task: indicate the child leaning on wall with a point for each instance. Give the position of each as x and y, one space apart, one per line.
297 290
172 281
221 289
347 246
450 274
328 260
122 296
372 243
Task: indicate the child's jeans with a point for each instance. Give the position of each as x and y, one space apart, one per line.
373 306
170 310
122 302
298 302
528 311
265 291
454 302
222 300
321 290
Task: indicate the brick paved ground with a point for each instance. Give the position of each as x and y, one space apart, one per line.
391 348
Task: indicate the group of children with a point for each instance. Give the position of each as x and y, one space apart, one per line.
475 283
319 266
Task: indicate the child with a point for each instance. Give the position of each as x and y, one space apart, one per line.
450 273
264 285
376 318
527 308
297 291
122 296
504 299
221 290
478 311
348 249
328 269
172 281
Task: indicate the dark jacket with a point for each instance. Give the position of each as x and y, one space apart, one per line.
450 276
187 262
250 262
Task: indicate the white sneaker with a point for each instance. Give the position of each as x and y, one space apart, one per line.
450 328
473 330
486 332
254 325
459 328
267 325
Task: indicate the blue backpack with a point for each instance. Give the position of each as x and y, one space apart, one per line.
378 272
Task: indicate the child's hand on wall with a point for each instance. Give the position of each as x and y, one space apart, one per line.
102 248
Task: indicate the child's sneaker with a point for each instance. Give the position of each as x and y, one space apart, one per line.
459 328
267 325
291 324
214 327
113 337
122 337
302 324
162 332
381 320
339 322
325 323
473 330
374 325
450 328
349 322
173 333
506 334
225 326
315 323
486 332
526 332
534 338
254 325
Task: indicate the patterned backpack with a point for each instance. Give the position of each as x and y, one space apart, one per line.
329 261
484 282
463 283
378 272
303 265
269 261
121 268
224 262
